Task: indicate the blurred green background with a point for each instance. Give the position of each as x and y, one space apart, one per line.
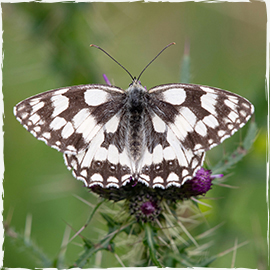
46 46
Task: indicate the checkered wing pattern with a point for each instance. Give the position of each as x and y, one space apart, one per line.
110 136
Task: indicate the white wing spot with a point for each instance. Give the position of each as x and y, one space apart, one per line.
57 123
194 163
83 173
60 104
113 154
158 179
61 91
157 154
95 97
37 106
97 177
174 142
233 116
172 177
125 178
207 89
230 126
67 131
158 124
33 132
182 127
246 105
185 173
230 104
37 129
19 108
101 154
34 101
224 137
189 115
74 164
112 124
221 133
197 146
208 102
85 124
112 179
34 118
210 121
145 177
175 96
46 135
92 149
147 158
168 153
243 113
241 125
201 129
71 148
24 115
80 117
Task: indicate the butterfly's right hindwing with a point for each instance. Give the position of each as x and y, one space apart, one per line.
69 118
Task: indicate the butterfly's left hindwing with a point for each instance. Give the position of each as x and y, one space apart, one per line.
69 118
106 161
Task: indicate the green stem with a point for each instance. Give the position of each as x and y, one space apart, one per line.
150 242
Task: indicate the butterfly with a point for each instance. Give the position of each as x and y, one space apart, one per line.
110 136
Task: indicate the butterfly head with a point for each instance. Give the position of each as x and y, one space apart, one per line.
136 86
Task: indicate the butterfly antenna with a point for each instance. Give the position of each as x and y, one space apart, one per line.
92 45
173 43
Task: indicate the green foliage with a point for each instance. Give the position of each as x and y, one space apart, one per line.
66 30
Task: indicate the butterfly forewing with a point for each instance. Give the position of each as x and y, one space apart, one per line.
201 117
69 118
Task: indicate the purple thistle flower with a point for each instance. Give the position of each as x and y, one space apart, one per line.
148 207
199 184
144 202
145 207
202 182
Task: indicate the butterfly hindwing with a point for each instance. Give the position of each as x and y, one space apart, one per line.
201 117
106 161
68 118
165 161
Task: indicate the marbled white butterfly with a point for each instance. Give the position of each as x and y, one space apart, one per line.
110 136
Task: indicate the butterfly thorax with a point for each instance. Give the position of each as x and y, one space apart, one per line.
135 108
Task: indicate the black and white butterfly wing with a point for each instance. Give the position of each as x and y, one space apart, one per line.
106 161
186 120
201 117
67 119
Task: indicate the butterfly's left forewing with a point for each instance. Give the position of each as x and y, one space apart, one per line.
201 117
69 118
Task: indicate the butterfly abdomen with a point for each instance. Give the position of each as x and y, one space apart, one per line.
136 109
